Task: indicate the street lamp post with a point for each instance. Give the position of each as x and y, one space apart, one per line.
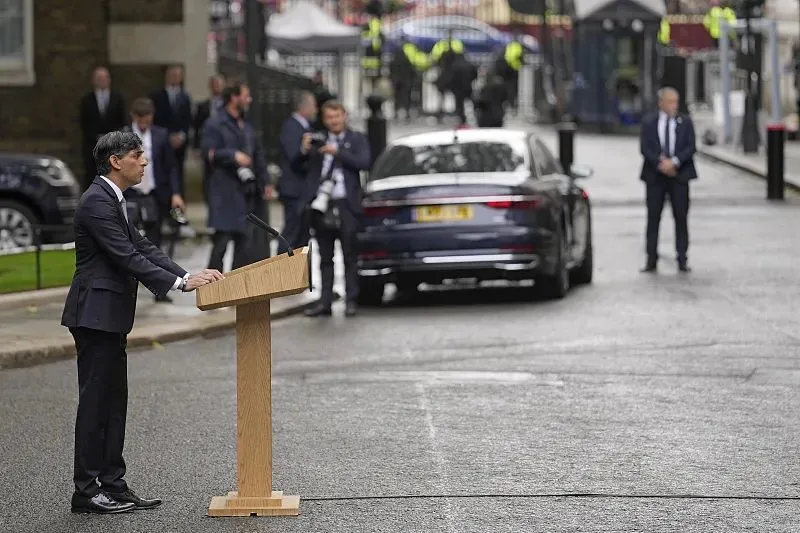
750 136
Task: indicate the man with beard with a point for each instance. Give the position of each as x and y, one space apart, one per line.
238 175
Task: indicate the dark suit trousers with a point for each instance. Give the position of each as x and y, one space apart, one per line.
295 224
657 191
326 240
102 410
219 245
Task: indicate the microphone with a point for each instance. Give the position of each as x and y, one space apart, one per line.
253 219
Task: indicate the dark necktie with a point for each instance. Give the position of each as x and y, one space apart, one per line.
667 140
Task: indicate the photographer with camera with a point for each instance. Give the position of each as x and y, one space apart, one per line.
238 176
333 196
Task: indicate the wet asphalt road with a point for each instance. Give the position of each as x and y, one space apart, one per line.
673 399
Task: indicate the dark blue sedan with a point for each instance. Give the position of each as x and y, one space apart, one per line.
482 204
478 37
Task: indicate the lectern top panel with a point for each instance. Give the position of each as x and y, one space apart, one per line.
274 277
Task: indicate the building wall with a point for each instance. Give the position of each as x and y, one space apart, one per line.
136 40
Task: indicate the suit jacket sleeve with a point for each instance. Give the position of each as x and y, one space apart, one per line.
687 151
356 157
290 140
155 255
168 155
213 146
651 154
101 222
203 112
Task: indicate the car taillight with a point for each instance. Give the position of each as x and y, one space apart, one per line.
379 254
514 204
379 211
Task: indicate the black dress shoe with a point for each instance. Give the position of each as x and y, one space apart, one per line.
650 267
131 497
318 310
100 503
683 267
351 309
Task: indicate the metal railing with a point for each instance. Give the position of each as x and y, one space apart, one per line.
37 248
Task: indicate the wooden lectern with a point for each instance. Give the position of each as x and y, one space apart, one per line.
250 289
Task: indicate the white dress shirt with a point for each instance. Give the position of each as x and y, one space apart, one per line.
102 96
121 200
339 189
665 121
148 181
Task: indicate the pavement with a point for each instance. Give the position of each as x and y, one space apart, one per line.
30 330
733 155
641 403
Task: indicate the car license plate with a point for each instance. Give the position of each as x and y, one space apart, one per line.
444 213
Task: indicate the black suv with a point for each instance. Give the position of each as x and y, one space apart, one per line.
36 190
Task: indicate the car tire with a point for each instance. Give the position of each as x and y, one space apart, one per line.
556 286
582 275
370 293
14 211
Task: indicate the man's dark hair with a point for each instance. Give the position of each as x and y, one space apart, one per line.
333 105
142 107
235 89
118 143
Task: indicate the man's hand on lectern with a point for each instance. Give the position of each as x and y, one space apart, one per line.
201 278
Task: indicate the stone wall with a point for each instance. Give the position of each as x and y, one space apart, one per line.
70 40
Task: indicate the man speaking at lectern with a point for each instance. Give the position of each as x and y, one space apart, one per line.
111 259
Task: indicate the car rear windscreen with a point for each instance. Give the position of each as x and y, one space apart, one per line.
459 157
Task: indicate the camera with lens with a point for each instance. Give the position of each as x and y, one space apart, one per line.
319 139
245 174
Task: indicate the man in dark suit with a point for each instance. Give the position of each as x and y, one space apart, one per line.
111 259
158 191
668 148
238 176
294 145
174 112
101 110
341 160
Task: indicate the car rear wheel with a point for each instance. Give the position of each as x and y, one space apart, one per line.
556 286
16 225
583 274
370 293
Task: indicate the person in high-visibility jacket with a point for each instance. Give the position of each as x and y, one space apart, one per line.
406 69
714 17
443 55
372 41
664 31
513 58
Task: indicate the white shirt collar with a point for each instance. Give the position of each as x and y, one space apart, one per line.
114 187
302 120
138 132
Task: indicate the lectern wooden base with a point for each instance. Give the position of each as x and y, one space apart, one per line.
233 505
250 289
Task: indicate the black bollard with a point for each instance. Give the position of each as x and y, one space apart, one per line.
566 145
376 127
776 137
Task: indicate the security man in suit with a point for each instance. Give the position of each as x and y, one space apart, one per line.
101 110
174 112
238 175
294 145
111 259
341 160
668 148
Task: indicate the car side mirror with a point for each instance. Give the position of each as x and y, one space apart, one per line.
580 171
